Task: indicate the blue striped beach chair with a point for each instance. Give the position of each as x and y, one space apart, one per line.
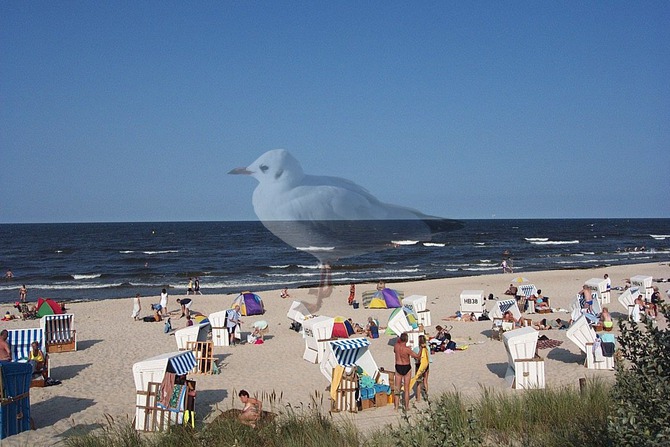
349 352
20 340
59 333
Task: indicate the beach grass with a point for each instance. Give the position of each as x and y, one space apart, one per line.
549 417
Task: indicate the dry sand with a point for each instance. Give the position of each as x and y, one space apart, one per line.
97 379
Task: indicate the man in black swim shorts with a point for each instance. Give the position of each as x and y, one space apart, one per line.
403 369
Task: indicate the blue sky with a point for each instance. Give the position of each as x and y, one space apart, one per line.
135 111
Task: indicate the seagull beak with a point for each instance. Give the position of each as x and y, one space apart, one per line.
243 171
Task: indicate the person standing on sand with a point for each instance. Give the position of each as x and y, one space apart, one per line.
164 302
23 293
196 289
232 321
5 350
403 369
189 290
352 294
137 307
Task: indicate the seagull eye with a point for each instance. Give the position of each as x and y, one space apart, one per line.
263 168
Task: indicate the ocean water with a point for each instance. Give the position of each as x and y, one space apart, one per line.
116 260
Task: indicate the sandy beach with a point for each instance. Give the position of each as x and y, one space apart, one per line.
97 379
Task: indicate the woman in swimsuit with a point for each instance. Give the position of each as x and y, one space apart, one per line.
253 408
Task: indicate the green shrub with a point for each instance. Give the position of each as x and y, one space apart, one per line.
642 389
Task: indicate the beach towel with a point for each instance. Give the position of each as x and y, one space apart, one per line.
423 366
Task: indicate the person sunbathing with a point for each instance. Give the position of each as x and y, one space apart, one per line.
541 302
542 325
606 319
512 290
461 317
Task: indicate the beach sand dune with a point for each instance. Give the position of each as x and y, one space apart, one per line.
97 379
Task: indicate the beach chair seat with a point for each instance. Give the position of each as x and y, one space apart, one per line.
59 333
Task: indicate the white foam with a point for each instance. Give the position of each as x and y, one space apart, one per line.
90 276
555 242
404 242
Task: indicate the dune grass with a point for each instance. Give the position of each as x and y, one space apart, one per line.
551 417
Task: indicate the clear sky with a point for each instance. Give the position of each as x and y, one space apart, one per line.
135 111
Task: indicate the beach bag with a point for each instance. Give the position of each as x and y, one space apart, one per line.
168 326
238 332
451 346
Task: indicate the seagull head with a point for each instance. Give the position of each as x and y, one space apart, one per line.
275 166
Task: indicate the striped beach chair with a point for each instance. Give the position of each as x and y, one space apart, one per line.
525 291
20 340
59 332
349 352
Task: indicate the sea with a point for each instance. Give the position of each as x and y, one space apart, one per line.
92 261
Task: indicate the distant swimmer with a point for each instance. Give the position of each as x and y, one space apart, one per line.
9 274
